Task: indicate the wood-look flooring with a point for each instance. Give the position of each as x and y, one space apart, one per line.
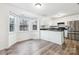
71 46
33 47
36 47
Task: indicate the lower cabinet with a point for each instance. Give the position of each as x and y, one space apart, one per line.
52 36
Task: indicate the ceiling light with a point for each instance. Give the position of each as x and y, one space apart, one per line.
38 5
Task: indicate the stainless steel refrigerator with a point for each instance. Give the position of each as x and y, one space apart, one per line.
73 31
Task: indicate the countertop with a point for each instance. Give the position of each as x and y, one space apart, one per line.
51 29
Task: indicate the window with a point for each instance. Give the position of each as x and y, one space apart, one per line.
35 25
11 26
23 25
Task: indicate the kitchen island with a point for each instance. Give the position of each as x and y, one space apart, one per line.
55 36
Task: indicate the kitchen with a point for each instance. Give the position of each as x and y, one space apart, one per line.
60 28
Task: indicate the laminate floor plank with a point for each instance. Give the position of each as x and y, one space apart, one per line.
35 47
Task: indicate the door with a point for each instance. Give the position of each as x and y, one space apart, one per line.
34 30
12 29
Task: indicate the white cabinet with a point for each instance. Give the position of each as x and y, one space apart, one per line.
52 36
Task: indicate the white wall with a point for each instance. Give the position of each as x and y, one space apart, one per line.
3 26
46 21
22 35
5 41
50 21
65 19
29 34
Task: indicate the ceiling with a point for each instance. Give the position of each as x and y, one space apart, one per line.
50 9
